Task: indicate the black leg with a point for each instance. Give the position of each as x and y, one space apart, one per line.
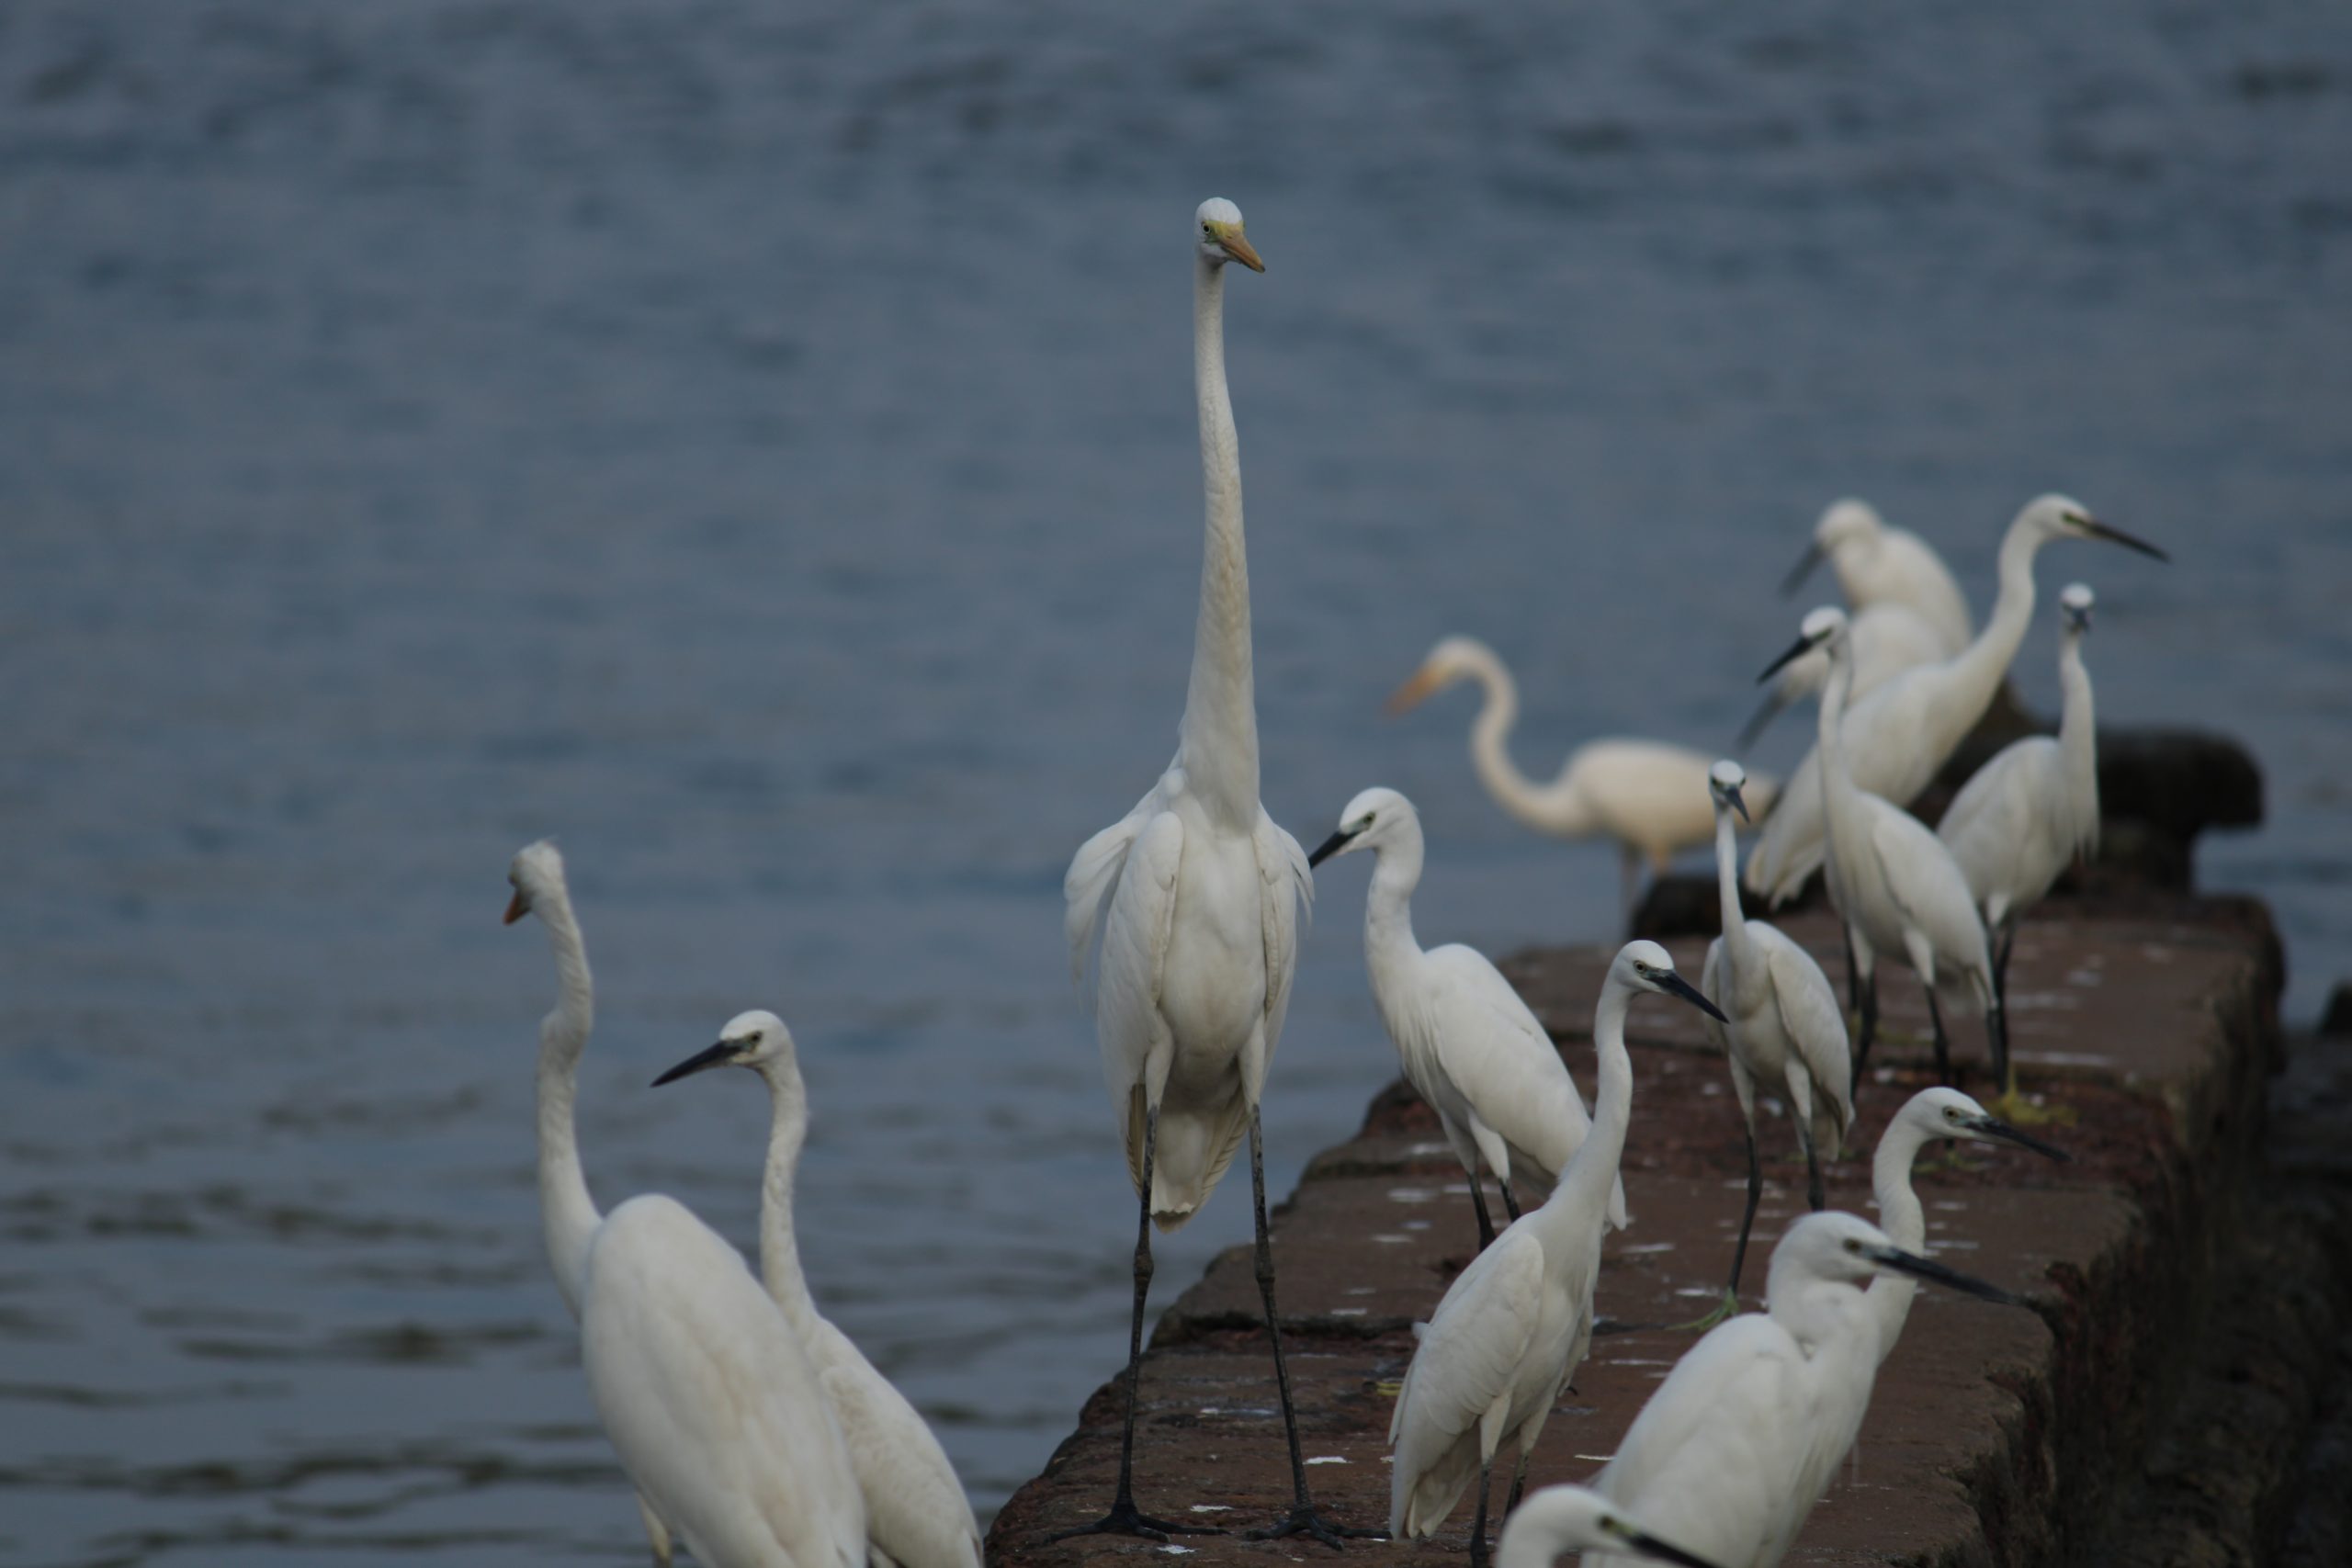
1478 1201
1511 1199
1747 1220
1478 1521
1812 1192
1519 1480
1943 1045
1302 1519
1868 1031
1122 1518
1997 1021
1853 972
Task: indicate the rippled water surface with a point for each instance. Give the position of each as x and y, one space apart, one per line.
758 448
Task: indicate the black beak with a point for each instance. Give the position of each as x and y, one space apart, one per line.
1803 569
1992 1128
1676 986
1649 1545
2099 530
1797 650
718 1055
1740 805
1766 712
1330 847
1928 1269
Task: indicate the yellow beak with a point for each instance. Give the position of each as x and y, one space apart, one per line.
1409 695
1236 245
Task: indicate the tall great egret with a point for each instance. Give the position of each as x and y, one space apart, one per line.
2025 816
1511 1329
709 1400
1781 1026
1569 1519
1901 734
1889 638
1877 565
1892 881
916 1514
1731 1453
1642 794
1196 895
1469 1043
1928 1115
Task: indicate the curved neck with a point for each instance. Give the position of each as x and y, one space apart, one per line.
2078 742
1585 1182
1490 750
1984 662
567 1213
1388 940
1219 734
1816 1312
1838 788
1904 1221
779 1246
1735 938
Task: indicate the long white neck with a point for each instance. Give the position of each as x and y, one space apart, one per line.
1490 752
1390 949
1736 941
1903 1220
566 1210
1977 670
1219 734
1816 1312
1581 1194
1841 801
2078 742
779 1249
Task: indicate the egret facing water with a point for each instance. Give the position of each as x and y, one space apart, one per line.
916 1514
1196 895
1469 1045
1878 564
1512 1327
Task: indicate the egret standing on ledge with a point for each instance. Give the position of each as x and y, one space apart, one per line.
1644 795
1877 564
1196 895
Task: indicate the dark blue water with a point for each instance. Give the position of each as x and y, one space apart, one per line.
759 449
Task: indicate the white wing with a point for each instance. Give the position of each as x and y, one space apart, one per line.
916 1512
1286 886
1812 1019
1464 1368
1129 978
1928 885
1095 870
1993 827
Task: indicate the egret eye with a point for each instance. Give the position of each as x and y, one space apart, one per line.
1853 1246
1209 229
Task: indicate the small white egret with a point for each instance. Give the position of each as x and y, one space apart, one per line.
1877 564
1469 1045
1928 1115
704 1390
916 1513
1511 1329
1569 1519
1894 885
2024 816
1642 794
1889 638
1901 734
1196 895
1733 1450
1781 1027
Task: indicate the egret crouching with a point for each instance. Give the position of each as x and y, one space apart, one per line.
1781 1027
1469 1046
916 1514
1570 1519
1196 893
1733 1450
1641 793
1893 884
1511 1330
2026 815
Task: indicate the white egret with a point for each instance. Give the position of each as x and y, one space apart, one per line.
1780 1027
916 1513
1894 885
1928 1115
1877 565
2024 816
1469 1045
1642 794
1889 638
1511 1330
1901 734
1196 895
1733 1450
704 1390
1570 1519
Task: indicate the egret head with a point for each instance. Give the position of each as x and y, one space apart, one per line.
1560 1520
2050 517
1824 627
1724 781
1849 1249
1846 525
750 1040
1948 1113
1373 819
1217 228
536 873
1453 658
2074 601
1646 966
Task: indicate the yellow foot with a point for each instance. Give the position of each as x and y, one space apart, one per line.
2021 1110
1725 1308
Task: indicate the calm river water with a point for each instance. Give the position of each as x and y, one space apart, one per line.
757 446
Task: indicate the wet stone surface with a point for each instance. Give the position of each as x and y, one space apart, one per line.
2152 1025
